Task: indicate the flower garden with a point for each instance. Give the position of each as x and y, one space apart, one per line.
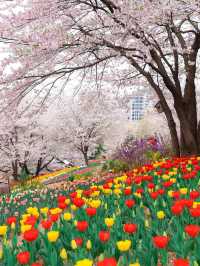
148 216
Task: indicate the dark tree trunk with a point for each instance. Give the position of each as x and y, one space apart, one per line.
15 170
187 115
85 155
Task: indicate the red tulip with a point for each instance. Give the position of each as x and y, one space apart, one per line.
194 194
62 205
181 262
176 209
130 203
61 198
192 230
127 191
130 228
31 220
160 241
36 264
73 195
107 262
151 185
167 184
82 226
54 217
31 235
195 212
176 194
46 224
91 211
23 257
154 195
160 191
79 241
78 202
104 236
11 219
139 190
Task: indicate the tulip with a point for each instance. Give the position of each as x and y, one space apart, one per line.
160 241
91 211
36 264
11 219
160 215
195 212
130 203
176 209
67 216
63 254
181 262
130 228
23 257
89 244
46 224
82 226
78 202
192 230
124 245
3 230
107 262
52 236
31 235
84 262
109 222
104 236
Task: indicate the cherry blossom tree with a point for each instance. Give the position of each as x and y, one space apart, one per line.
24 142
154 41
86 120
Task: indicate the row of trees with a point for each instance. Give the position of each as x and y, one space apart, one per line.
30 138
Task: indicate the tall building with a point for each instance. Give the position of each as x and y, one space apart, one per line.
138 104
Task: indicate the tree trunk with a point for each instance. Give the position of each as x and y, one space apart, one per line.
187 116
38 168
85 155
15 169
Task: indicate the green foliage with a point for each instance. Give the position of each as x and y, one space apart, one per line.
153 155
99 149
23 176
84 175
115 166
29 185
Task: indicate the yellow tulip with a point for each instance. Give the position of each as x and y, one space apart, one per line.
95 203
44 210
124 245
183 190
109 221
73 207
160 215
67 201
25 227
73 244
55 211
134 264
3 230
84 262
63 254
52 236
67 216
89 244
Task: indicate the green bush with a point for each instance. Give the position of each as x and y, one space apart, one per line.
115 166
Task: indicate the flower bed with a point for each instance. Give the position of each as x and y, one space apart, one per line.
141 218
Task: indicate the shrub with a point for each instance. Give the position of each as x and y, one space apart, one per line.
136 152
115 166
